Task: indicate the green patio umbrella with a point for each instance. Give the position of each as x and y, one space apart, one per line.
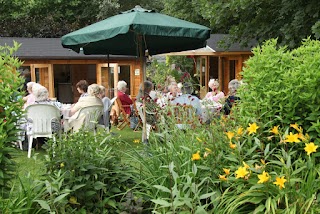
135 32
137 29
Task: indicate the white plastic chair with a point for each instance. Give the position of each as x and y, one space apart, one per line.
91 116
41 116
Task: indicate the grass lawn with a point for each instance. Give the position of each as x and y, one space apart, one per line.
35 165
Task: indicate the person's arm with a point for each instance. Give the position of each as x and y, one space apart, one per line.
75 108
125 100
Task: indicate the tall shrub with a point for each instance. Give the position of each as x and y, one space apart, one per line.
281 86
10 111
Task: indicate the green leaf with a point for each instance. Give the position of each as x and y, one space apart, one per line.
161 202
60 197
98 185
207 195
44 205
162 188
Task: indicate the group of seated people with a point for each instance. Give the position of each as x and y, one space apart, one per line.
176 94
214 103
90 95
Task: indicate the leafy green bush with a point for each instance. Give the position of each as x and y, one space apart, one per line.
10 112
91 169
267 177
282 87
178 169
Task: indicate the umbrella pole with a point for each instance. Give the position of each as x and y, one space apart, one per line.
142 66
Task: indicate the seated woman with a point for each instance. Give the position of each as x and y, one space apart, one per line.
75 122
124 98
82 88
30 98
41 96
105 119
232 98
215 96
151 107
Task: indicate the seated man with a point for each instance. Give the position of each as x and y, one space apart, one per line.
124 98
75 122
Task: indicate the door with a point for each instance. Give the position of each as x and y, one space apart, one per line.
108 77
202 67
43 74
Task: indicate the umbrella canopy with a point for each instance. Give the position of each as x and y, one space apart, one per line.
137 29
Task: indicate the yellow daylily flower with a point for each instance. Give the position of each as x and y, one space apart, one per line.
296 127
227 171
310 148
223 177
292 138
196 156
252 128
264 177
232 145
241 172
302 137
230 135
240 131
246 165
275 130
136 141
280 182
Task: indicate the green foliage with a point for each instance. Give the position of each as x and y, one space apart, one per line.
158 72
282 87
22 197
289 21
186 10
91 169
169 178
55 18
248 193
10 112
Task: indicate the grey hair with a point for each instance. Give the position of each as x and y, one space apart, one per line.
121 84
94 90
233 86
187 88
147 88
30 85
213 82
172 84
40 93
102 89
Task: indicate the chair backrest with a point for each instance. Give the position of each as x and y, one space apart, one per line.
183 113
183 116
121 109
91 116
111 103
42 116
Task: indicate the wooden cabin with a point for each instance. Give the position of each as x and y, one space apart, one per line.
59 69
215 62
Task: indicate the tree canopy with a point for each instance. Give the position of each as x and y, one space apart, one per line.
288 20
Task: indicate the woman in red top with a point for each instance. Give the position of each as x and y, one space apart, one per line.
124 98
